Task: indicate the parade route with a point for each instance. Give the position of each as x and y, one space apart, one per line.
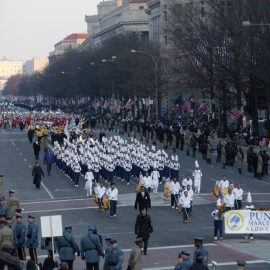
58 196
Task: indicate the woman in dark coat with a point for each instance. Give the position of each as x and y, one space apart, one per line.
37 173
143 228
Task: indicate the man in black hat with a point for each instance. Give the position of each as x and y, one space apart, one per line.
67 247
32 238
143 228
19 232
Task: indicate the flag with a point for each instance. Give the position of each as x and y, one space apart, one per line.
129 104
203 109
186 106
236 114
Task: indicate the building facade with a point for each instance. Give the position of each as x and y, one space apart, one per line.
9 68
114 18
35 65
71 42
160 25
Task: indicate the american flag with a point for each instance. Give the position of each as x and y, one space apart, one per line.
186 106
203 109
236 114
129 104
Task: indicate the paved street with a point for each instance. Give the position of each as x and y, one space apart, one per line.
58 196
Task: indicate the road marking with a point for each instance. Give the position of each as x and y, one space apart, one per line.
20 154
50 194
68 209
24 159
82 199
261 181
12 142
30 166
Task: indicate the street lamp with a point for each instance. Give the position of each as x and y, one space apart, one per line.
155 64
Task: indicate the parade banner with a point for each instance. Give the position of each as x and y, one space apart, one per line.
247 222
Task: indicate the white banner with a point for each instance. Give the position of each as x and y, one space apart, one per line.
247 222
51 226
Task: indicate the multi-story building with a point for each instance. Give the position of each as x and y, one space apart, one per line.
70 42
9 68
114 18
35 65
160 25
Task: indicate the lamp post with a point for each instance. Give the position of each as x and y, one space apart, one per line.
155 64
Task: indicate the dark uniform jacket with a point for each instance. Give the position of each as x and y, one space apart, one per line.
32 235
115 259
143 226
142 201
91 249
67 247
19 233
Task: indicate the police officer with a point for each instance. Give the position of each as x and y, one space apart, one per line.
108 249
91 249
3 208
199 248
67 247
32 238
115 258
185 255
19 233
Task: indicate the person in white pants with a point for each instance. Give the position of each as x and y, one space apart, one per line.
155 179
89 177
197 175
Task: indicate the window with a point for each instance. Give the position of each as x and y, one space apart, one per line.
141 7
202 12
166 40
165 16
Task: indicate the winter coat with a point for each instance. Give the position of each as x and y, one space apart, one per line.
143 226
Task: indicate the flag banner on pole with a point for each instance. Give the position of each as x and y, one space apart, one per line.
236 114
186 106
203 109
129 104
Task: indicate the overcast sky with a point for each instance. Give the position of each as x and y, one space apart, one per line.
30 28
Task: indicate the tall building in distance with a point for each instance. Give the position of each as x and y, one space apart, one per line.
35 65
114 18
9 68
70 42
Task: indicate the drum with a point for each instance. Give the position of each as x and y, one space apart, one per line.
138 188
225 191
167 190
106 203
216 191
180 209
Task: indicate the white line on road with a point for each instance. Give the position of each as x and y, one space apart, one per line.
81 199
68 209
24 159
20 154
30 166
50 194
12 143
